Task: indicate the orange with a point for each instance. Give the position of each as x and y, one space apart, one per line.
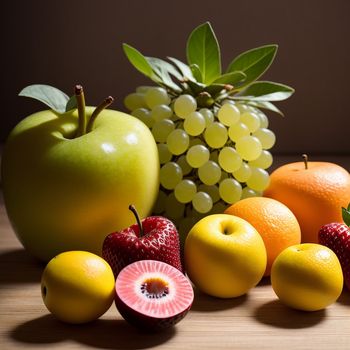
307 277
315 195
276 224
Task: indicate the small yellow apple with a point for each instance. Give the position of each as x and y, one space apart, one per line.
224 256
307 277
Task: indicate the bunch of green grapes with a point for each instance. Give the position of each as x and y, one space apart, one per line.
210 158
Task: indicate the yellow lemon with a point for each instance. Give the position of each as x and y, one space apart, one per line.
77 286
307 277
224 255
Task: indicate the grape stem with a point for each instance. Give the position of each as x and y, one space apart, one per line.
305 158
139 222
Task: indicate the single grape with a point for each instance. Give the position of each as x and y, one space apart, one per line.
243 173
184 105
248 192
237 131
186 168
194 124
208 115
209 173
159 207
178 141
264 121
160 112
134 100
229 160
185 191
156 96
164 153
202 202
197 156
251 120
230 190
161 129
215 135
170 175
248 147
213 191
144 115
259 179
243 108
266 137
228 114
173 208
264 161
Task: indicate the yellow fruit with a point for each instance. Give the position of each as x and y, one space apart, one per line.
77 286
307 277
276 224
224 255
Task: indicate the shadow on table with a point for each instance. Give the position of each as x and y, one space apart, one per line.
204 303
105 334
18 266
274 313
344 298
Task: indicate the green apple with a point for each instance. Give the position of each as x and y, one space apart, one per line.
69 178
224 256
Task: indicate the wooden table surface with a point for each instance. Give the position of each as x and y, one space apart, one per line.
255 321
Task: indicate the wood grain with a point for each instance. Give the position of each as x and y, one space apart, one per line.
255 321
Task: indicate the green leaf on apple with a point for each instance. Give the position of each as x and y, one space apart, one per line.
49 95
71 103
203 50
346 215
253 62
266 91
196 72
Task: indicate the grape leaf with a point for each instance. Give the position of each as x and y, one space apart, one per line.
138 60
49 95
203 50
163 70
265 105
183 68
230 78
196 73
253 62
267 91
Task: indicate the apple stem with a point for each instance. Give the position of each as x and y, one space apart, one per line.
79 95
133 209
104 104
305 158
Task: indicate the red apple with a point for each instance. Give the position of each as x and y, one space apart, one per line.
153 238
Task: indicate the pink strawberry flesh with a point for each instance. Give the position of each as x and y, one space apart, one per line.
159 242
153 295
336 236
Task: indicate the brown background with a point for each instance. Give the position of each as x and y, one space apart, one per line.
64 42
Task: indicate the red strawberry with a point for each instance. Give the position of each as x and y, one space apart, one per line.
155 238
336 236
